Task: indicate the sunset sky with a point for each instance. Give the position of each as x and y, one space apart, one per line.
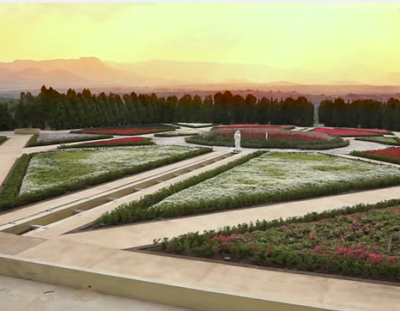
342 38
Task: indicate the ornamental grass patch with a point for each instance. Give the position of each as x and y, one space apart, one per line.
360 241
255 179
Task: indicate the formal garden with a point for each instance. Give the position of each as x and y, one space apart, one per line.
38 176
258 178
360 241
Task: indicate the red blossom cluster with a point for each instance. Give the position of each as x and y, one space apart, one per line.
278 135
254 126
348 131
391 152
117 141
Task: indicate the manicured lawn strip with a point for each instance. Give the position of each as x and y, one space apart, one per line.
358 241
228 141
2 139
194 126
32 142
173 134
10 198
395 141
140 210
118 143
373 156
172 205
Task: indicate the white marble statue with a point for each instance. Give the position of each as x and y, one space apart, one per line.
237 137
266 135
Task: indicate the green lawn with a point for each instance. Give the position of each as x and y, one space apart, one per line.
381 140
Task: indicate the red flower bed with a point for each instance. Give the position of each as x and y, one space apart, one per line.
346 132
278 135
376 131
117 141
392 152
125 131
255 126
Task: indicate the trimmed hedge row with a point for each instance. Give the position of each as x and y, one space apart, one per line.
227 141
201 245
169 134
377 157
2 139
32 142
10 198
145 141
139 210
376 140
193 126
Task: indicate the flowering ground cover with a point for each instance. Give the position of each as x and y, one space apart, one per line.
118 142
381 140
39 176
255 126
256 138
391 155
263 178
44 139
350 132
136 130
2 139
361 241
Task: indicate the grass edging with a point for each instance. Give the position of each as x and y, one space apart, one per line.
3 139
10 198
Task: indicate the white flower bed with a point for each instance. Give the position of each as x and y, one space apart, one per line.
275 172
45 137
51 169
195 124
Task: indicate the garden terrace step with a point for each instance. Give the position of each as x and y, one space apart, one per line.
22 226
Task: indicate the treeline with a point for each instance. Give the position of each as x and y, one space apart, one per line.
6 119
361 113
51 109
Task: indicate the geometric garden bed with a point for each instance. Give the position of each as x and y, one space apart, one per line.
257 178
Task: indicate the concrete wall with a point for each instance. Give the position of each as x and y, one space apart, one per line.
140 288
27 131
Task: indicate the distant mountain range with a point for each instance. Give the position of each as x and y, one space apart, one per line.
94 73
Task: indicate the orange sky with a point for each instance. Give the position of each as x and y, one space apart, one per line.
346 40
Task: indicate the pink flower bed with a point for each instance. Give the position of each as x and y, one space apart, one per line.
255 126
278 135
392 152
349 131
117 141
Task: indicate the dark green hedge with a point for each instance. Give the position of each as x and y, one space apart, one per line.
199 245
227 141
380 142
10 198
375 157
193 126
171 135
144 142
32 142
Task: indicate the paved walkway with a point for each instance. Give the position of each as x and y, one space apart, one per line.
302 289
25 295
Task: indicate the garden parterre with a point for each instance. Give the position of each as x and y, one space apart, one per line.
361 241
277 172
47 170
257 178
391 155
43 139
